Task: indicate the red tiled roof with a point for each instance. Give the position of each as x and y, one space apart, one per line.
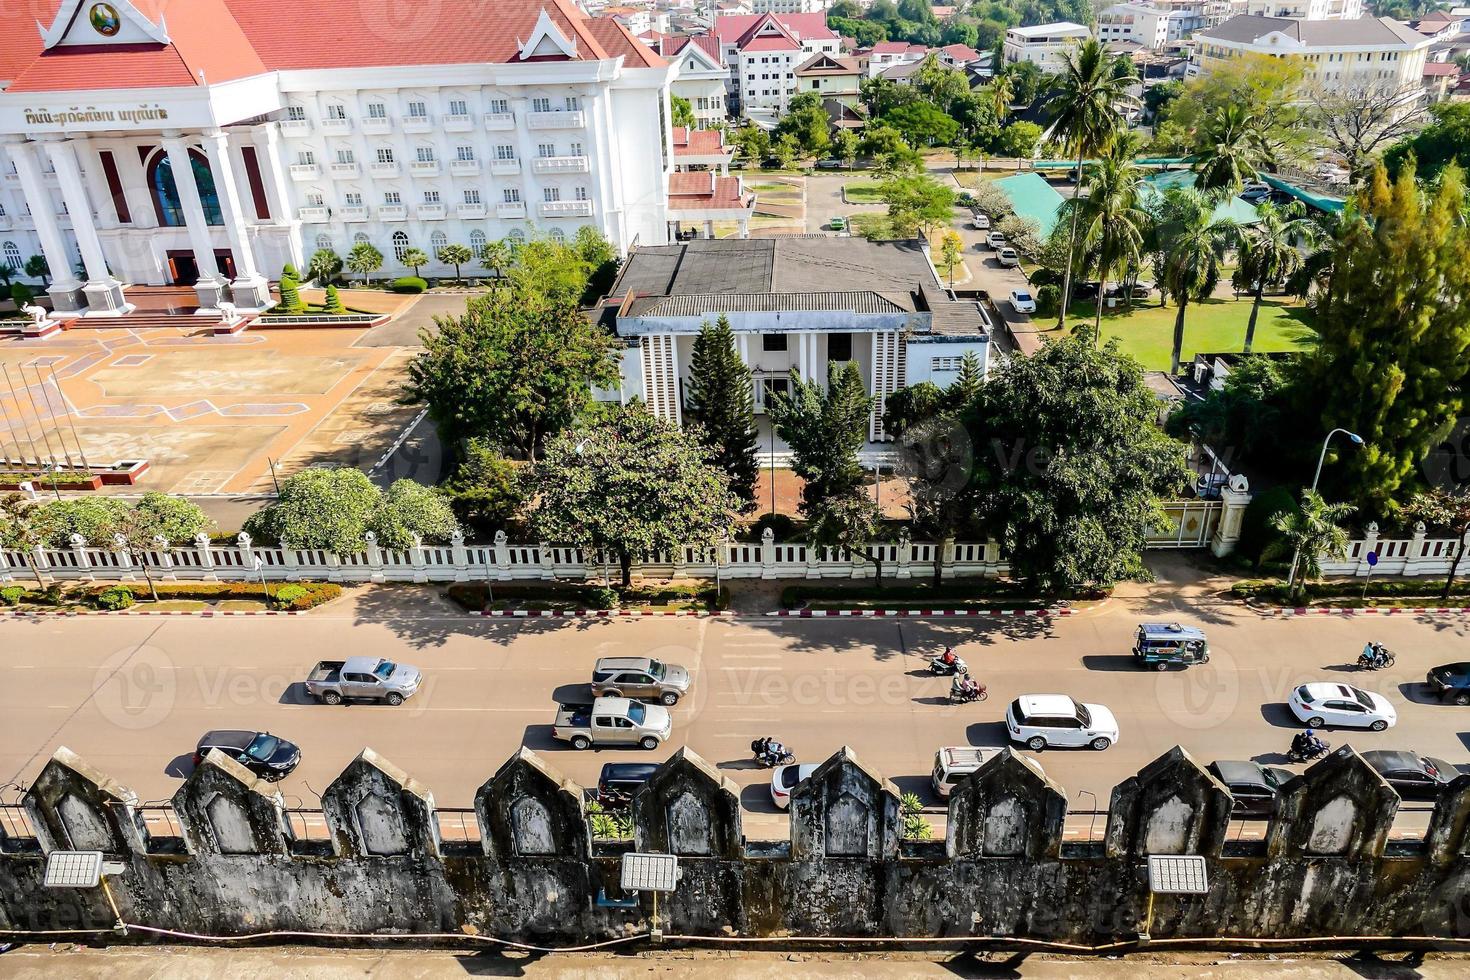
731 28
897 47
771 44
1438 69
699 142
672 44
961 52
706 191
229 39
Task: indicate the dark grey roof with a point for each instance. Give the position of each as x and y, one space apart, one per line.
697 304
1247 28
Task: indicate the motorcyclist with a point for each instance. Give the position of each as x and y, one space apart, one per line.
1306 744
957 687
947 657
775 751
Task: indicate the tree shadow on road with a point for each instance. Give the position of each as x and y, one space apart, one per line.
424 619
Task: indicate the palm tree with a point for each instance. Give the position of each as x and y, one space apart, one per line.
1232 149
1110 222
1087 97
1271 250
1312 531
365 259
1002 93
1194 243
413 258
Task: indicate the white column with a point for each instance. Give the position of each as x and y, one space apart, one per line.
104 293
273 176
802 339
249 291
211 285
742 344
65 289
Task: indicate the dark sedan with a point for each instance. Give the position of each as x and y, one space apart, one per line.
1451 682
1252 786
1412 776
268 756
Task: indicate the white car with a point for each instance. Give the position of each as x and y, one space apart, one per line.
996 239
1040 721
980 222
1022 301
1007 257
784 779
1341 706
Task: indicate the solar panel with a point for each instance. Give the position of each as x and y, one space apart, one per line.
73 869
1177 874
650 872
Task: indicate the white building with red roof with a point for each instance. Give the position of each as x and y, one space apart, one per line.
762 53
697 74
311 126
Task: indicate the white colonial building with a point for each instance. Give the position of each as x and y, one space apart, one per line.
763 51
1376 53
307 126
1043 45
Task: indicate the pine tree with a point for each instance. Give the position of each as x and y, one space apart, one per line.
719 398
334 302
290 294
1394 334
966 383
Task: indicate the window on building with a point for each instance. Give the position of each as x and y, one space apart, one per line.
385 154
582 194
544 150
477 241
315 201
512 195
504 151
424 154
336 110
472 196
458 107
774 386
573 103
431 197
346 156
839 347
550 194
465 154
352 199
500 106
392 197
400 245
558 236
11 252
418 110
540 105
324 242
305 158
517 238
773 342
437 241
296 113
377 110
361 238
576 149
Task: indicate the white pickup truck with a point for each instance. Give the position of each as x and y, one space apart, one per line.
362 679
612 721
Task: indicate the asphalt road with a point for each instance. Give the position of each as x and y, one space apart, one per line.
132 695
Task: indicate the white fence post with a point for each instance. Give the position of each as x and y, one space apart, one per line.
124 558
206 555
905 554
502 556
547 559
247 554
374 557
814 560
79 548
1234 499
1370 543
946 558
420 563
768 553
165 557
291 563
1416 548
461 557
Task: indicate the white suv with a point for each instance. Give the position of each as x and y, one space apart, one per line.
1341 706
1042 720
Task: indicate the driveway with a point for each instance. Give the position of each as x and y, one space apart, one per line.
403 329
824 200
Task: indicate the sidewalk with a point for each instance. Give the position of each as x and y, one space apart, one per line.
185 963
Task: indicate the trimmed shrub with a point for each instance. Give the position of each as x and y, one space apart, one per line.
289 271
333 302
291 301
300 595
112 599
603 598
11 595
1047 298
21 293
786 528
408 284
287 595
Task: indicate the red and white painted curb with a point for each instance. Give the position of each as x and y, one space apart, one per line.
202 613
1377 611
779 613
913 613
602 613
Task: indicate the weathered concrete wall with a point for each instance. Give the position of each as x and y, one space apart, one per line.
1324 868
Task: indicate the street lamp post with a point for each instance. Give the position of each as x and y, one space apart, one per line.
1297 554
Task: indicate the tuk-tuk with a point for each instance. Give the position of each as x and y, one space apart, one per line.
1159 645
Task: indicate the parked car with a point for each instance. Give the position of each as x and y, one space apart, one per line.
1451 682
829 164
980 221
1157 646
1142 289
954 762
618 781
612 721
268 756
1085 290
1008 257
1253 186
1040 721
1412 776
639 678
1253 787
784 780
362 679
1022 301
996 239
838 223
1341 706
1255 197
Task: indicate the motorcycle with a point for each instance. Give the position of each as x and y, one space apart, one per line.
1318 751
768 759
942 669
978 694
1380 659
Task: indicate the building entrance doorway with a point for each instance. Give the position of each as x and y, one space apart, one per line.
182 269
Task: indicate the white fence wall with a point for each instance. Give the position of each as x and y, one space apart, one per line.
1412 556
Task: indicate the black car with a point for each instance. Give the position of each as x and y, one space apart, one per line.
1412 776
268 756
1254 787
1451 682
618 781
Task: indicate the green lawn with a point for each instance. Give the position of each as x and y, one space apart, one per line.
1214 325
865 193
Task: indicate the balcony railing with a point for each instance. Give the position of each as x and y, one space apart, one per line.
313 216
295 127
377 125
500 120
470 211
505 168
458 122
346 170
464 168
424 168
510 209
418 124
389 169
560 165
392 212
336 127
566 209
557 119
355 214
305 171
431 212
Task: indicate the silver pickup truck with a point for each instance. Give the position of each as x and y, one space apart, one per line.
612 721
362 679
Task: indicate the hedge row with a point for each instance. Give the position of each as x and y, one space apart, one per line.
796 596
1271 591
472 595
288 595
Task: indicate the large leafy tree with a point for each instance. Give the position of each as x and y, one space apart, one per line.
407 510
20 528
517 368
826 428
1087 100
1446 509
631 486
318 508
916 203
1394 332
1267 88
1193 243
1445 140
1272 251
1231 148
1245 418
1110 224
720 398
1070 464
923 124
